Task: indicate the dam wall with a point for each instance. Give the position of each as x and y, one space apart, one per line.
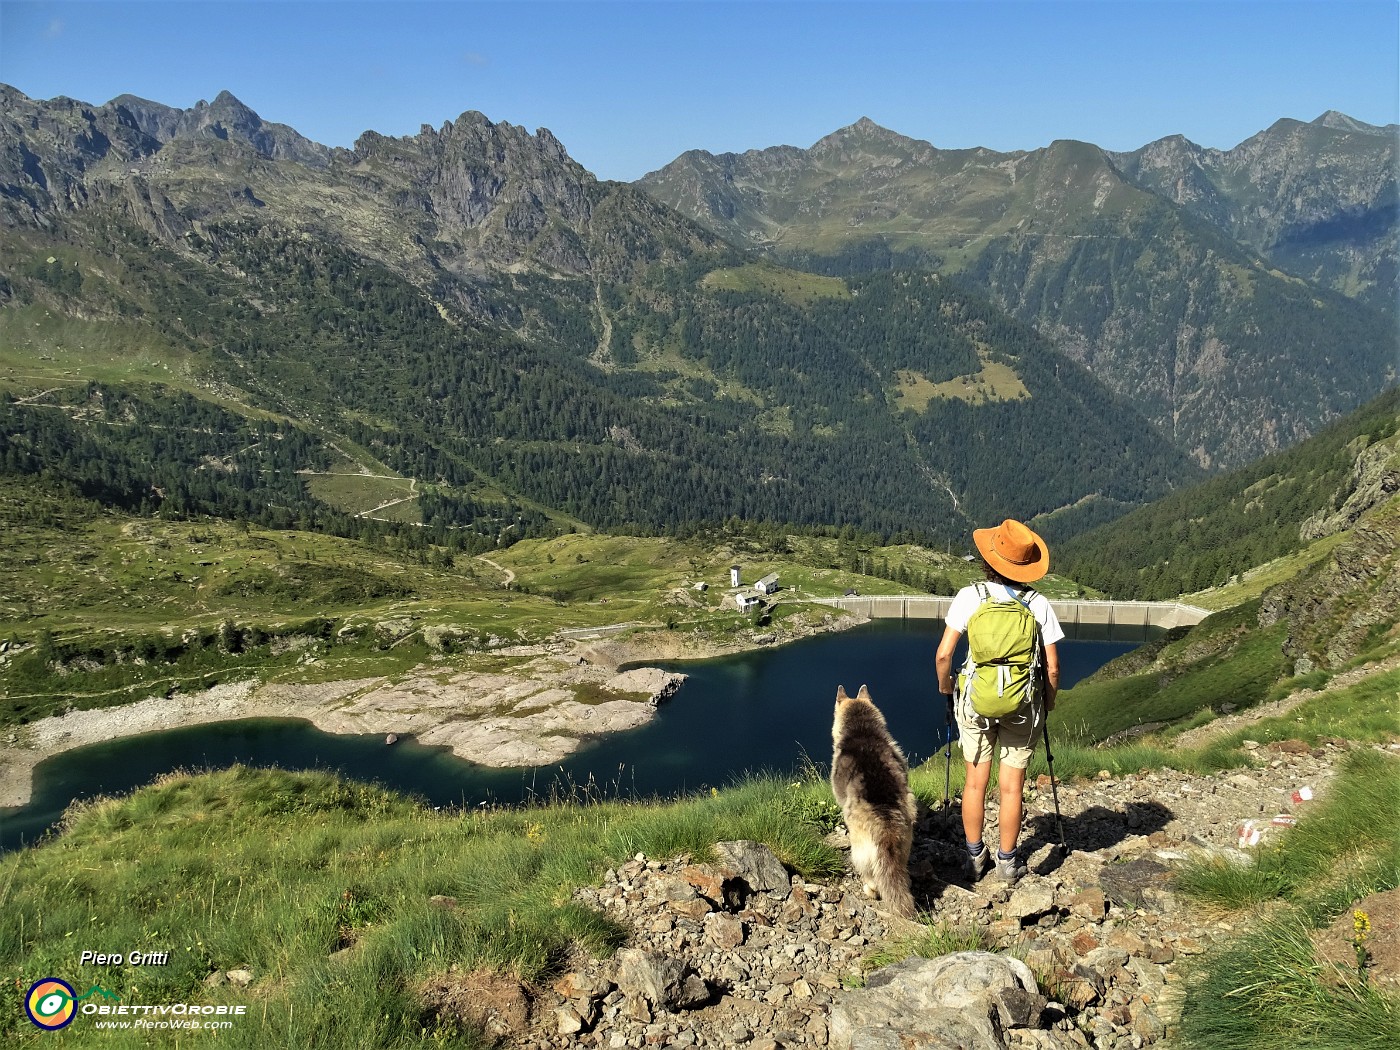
1085 618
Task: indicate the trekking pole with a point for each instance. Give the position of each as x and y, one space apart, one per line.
1054 787
948 754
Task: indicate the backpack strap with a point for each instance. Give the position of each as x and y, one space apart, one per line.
1036 708
969 666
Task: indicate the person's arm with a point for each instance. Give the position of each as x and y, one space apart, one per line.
943 660
1052 676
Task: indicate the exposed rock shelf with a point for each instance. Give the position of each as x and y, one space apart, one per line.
528 716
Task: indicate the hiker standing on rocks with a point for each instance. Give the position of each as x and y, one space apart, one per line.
1006 687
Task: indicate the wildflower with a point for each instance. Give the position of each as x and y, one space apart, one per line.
1361 926
1361 923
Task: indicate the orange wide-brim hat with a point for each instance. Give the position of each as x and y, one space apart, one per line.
1014 551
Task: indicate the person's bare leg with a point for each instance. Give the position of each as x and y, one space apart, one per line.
974 799
1010 783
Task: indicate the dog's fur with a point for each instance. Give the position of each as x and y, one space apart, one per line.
870 778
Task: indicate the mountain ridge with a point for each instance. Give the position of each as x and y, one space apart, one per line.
1155 282
502 231
474 309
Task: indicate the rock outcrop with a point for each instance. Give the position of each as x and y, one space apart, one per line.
1348 604
1375 478
1085 951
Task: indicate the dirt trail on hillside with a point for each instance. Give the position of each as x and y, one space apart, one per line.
1103 927
1218 727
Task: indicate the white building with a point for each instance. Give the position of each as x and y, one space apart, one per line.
768 584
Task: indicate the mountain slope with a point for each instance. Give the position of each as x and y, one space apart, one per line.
470 308
1202 535
1227 355
1318 200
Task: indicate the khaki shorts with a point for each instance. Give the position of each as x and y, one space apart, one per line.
1015 740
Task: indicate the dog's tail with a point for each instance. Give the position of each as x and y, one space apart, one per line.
891 876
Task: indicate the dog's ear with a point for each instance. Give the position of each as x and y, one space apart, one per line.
841 693
864 694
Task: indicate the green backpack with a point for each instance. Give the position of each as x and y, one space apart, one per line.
1003 655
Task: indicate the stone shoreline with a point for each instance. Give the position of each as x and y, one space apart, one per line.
528 716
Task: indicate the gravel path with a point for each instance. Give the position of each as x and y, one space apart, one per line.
714 960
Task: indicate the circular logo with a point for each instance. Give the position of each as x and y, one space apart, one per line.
50 1003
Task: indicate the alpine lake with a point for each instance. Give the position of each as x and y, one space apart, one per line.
767 710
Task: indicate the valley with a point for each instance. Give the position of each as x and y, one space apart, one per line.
441 436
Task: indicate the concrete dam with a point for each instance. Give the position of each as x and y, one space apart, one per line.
1107 620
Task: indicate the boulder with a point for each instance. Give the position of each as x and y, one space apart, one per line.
1019 1008
1032 899
757 865
953 1001
1140 883
662 982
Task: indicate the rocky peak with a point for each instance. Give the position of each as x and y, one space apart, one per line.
226 117
226 109
1341 122
474 139
864 138
1171 152
154 120
521 194
728 166
1176 168
49 148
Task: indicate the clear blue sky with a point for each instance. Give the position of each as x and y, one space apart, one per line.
629 86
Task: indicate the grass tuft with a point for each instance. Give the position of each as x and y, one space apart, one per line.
935 941
1268 989
1270 986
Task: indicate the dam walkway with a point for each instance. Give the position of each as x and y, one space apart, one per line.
1073 613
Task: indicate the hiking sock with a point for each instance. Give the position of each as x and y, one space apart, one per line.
974 849
1005 856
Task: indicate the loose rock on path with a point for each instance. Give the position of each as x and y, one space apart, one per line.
1085 951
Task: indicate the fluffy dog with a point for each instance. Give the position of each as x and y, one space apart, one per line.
870 778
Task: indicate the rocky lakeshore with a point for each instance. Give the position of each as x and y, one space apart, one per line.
1088 950
528 715
546 704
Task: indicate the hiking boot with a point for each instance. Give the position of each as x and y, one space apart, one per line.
977 866
1010 869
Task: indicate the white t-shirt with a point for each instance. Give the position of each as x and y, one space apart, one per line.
966 601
